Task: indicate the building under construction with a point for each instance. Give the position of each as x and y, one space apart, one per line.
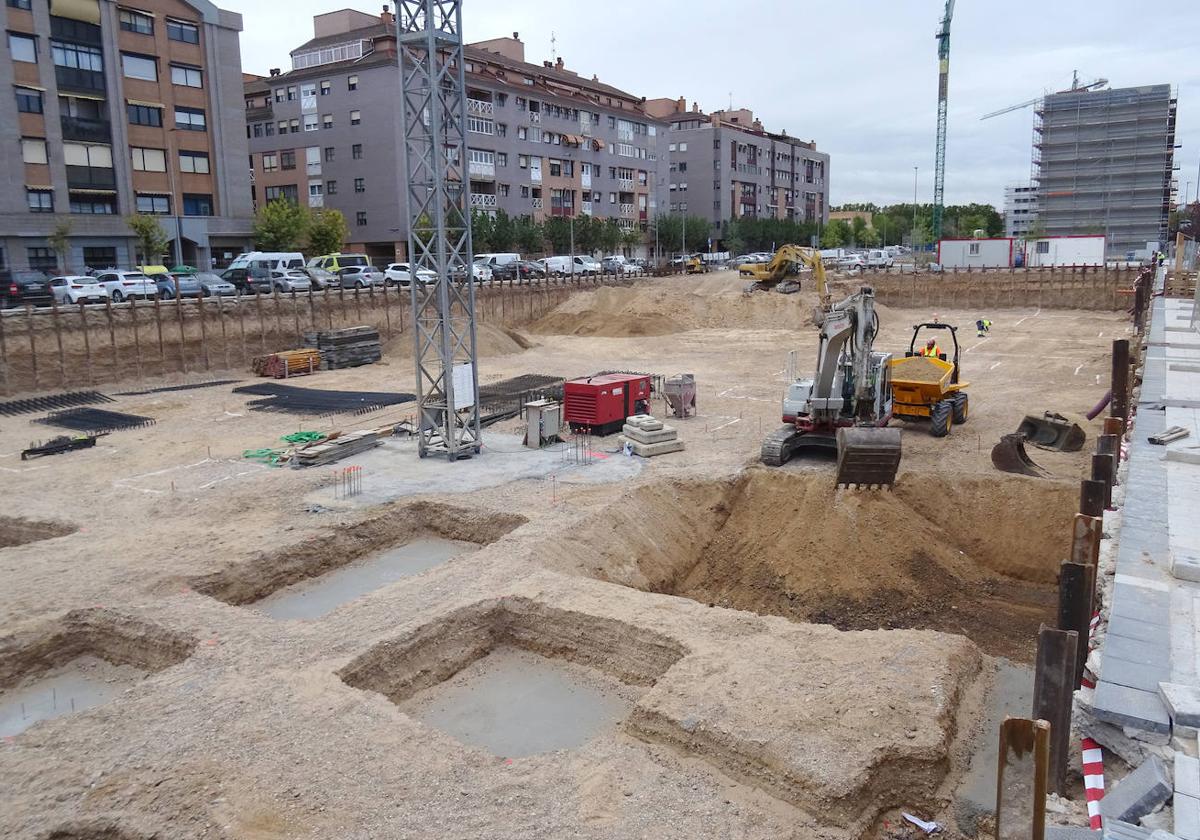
1103 163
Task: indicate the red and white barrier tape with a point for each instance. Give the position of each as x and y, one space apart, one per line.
1093 780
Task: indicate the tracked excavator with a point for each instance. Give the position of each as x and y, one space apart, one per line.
786 263
847 404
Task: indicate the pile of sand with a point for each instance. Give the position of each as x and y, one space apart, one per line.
489 341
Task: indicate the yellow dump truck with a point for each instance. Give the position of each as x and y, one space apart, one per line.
927 387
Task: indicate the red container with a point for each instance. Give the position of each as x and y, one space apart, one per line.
601 403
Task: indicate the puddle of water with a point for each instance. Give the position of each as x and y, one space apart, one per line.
80 684
513 703
317 596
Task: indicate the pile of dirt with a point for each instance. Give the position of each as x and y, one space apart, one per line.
17 531
969 556
489 341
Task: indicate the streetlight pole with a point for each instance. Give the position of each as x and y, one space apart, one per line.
914 224
171 157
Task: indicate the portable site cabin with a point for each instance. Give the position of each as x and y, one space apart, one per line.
1064 251
976 253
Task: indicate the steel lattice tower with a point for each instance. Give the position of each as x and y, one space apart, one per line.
433 114
939 164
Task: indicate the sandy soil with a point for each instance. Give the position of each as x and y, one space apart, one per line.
752 726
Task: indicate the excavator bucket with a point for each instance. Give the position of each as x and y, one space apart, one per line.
1009 455
1053 431
867 457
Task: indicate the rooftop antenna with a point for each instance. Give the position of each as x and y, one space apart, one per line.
730 100
553 48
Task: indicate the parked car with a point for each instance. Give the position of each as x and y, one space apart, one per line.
78 288
336 262
612 264
189 285
271 260
290 280
400 274
879 258
248 281
479 271
851 261
516 272
320 278
25 288
493 261
360 277
123 285
212 285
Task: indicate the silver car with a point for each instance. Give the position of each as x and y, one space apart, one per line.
361 276
213 286
290 280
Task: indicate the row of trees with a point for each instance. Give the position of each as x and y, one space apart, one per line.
893 223
283 225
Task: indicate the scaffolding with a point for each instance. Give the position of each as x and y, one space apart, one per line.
1103 162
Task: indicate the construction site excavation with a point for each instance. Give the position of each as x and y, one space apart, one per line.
558 638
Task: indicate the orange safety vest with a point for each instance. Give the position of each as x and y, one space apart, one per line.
933 351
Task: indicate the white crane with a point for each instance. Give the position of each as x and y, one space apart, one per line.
1075 86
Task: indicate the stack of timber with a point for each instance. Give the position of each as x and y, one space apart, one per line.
287 363
349 347
336 447
647 437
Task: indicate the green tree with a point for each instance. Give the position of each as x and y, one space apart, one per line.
836 234
280 225
528 236
151 238
557 232
869 238
327 231
858 227
632 238
503 232
699 229
483 229
588 233
611 236
670 232
60 242
735 243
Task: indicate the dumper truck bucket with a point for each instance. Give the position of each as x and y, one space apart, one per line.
867 457
1053 431
1009 455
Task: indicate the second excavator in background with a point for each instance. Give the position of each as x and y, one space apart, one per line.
848 402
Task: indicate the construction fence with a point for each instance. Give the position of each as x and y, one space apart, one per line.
1097 288
65 346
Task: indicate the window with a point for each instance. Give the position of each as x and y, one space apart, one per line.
100 257
187 76
1043 246
197 204
502 189
154 205
149 160
683 147
352 83
33 150
356 151
287 160
327 121
283 126
178 30
315 190
270 162
329 154
42 259
522 132
279 94
524 191
269 129
29 101
501 129
360 218
310 122
973 249
355 117
288 192
331 188
523 161
132 21
258 129
308 95
502 158
291 93
294 126
23 48
92 204
27 5
192 119
312 157
480 126
195 162
144 115
325 87
137 67
40 201
360 185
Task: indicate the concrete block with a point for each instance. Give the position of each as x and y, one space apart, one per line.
1117 830
1133 650
644 421
1131 608
649 450
1182 703
1187 817
1185 566
1139 793
1142 631
1060 833
644 436
1140 675
1187 775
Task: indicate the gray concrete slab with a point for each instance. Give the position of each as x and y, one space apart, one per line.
1139 793
1125 706
1183 704
1141 675
1187 817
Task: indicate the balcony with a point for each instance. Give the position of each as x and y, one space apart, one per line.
72 78
535 117
487 200
91 177
260 114
586 208
625 184
535 203
627 210
481 107
564 210
483 170
86 130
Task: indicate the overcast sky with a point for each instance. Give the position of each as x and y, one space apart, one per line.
858 76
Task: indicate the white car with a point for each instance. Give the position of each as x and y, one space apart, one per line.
851 261
400 274
78 289
479 271
290 280
122 285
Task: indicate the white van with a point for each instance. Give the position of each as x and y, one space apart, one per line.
270 260
879 258
496 260
562 266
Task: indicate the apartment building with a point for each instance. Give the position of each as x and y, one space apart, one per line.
1020 209
542 140
115 110
726 165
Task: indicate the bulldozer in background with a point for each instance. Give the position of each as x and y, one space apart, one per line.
695 264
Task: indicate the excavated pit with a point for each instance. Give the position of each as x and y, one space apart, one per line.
96 831
15 530
515 677
84 660
311 578
976 556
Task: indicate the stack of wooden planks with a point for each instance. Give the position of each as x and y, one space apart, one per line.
336 447
287 363
349 347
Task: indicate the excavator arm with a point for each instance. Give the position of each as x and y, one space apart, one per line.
784 263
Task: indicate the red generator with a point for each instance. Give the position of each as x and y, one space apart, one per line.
600 404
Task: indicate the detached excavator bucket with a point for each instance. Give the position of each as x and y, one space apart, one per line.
1009 455
1053 431
868 457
